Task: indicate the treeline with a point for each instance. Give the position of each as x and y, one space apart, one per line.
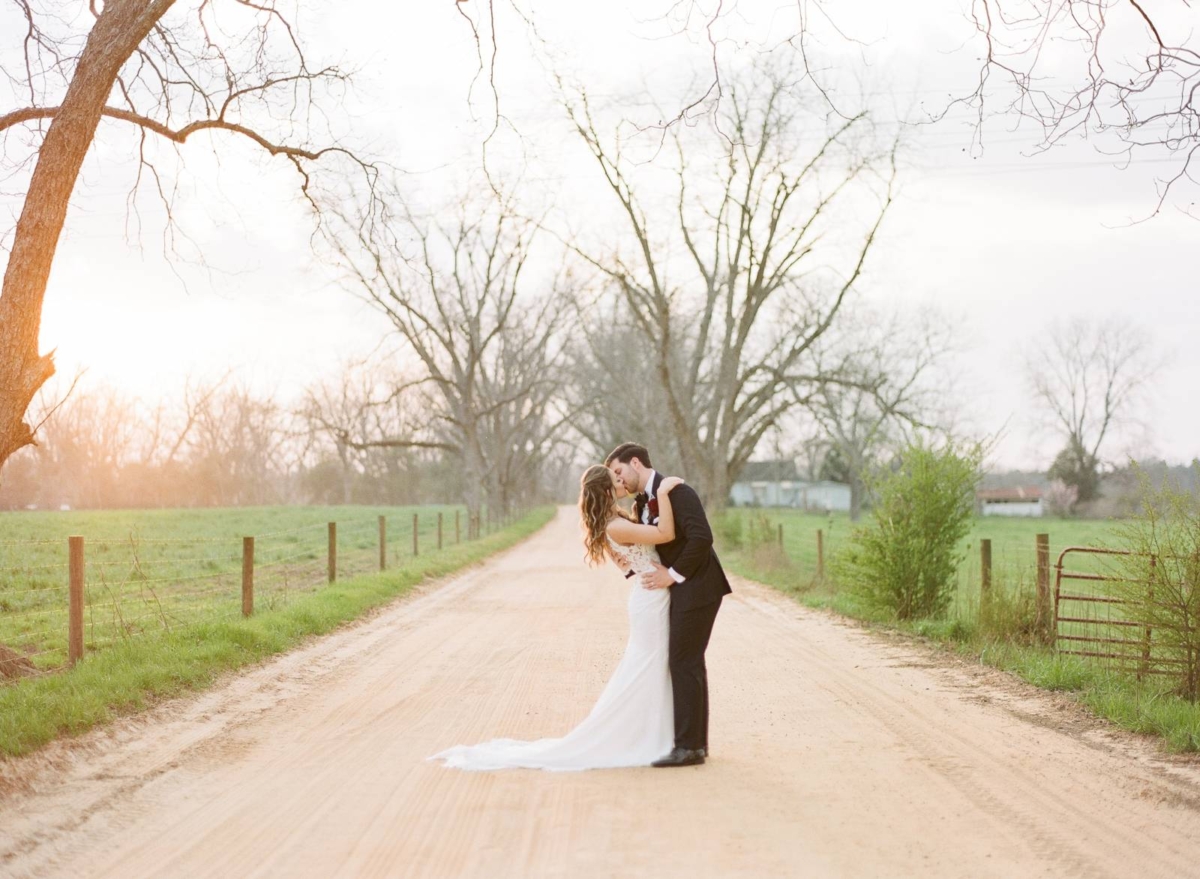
716 315
721 323
221 445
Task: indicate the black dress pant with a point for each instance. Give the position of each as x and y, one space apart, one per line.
690 630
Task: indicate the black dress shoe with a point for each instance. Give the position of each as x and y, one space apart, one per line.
681 757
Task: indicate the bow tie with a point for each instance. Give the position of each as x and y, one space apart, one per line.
641 497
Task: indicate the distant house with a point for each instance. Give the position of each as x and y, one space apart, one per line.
778 484
1020 500
823 496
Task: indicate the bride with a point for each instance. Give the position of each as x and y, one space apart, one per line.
632 723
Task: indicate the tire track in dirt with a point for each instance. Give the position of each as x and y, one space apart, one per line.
971 761
835 753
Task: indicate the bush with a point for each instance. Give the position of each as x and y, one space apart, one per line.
1008 612
1160 579
729 530
762 531
904 559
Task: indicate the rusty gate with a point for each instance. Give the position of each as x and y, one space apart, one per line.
1094 625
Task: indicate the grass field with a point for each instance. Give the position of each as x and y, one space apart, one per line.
148 570
201 640
1014 558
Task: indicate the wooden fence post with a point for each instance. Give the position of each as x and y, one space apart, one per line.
332 552
247 576
985 568
1044 623
1144 665
75 599
439 531
457 532
382 543
781 535
820 554
416 523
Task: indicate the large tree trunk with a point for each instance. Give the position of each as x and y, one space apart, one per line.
712 485
120 28
473 473
856 497
718 491
347 473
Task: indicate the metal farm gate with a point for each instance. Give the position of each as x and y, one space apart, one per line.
1091 623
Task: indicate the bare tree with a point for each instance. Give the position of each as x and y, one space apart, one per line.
1119 72
216 443
612 385
731 326
237 448
100 448
525 423
364 402
152 471
1122 75
1088 377
881 389
232 68
91 439
485 333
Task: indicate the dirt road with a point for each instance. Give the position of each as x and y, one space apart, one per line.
835 753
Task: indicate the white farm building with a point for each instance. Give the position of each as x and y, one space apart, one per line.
1016 501
778 484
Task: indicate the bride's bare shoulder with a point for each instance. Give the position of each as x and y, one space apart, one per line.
619 530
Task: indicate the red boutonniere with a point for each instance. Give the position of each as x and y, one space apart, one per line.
653 508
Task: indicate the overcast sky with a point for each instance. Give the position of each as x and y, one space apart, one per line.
1008 242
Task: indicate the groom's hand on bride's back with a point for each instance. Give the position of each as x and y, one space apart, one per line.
659 578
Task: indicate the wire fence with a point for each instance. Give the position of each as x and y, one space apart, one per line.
1062 585
811 543
63 598
1005 561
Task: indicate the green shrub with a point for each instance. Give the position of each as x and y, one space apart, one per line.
762 531
730 530
1160 579
904 559
944 630
1008 612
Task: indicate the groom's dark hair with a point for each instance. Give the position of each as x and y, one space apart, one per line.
626 452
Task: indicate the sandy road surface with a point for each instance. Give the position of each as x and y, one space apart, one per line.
836 753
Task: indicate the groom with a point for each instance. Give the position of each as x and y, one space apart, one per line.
697 583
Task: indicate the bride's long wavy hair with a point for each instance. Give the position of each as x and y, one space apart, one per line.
597 506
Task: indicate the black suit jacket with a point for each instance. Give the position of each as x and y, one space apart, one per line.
691 552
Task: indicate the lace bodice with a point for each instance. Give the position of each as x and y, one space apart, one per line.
640 557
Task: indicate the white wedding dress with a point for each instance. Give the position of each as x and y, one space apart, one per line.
633 721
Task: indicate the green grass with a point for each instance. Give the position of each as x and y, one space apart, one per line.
1148 706
1013 541
999 636
135 672
164 569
